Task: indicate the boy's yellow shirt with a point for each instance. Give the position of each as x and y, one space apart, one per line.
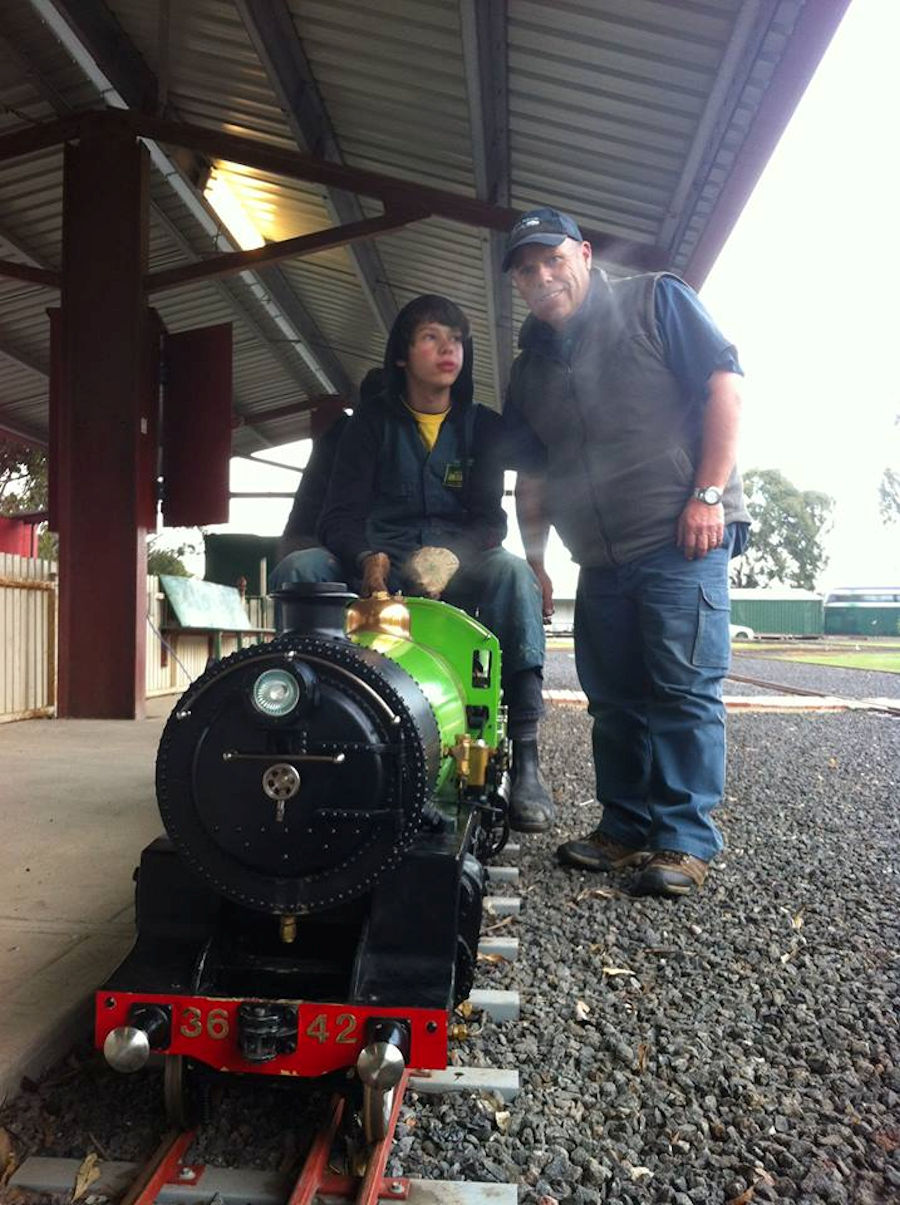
429 425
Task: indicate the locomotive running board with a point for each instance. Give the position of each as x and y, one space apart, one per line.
237 1187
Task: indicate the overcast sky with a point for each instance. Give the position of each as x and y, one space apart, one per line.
806 288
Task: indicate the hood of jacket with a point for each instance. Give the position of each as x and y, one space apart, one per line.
461 391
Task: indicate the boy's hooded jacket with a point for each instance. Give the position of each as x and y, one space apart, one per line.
389 493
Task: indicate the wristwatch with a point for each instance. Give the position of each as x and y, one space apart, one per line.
710 494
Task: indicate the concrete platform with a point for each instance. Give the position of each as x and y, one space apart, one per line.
77 805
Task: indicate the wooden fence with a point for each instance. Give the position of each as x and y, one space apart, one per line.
175 658
27 637
28 618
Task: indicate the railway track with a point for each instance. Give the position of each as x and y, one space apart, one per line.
335 1168
788 691
782 688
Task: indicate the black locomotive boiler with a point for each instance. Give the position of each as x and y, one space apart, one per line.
329 800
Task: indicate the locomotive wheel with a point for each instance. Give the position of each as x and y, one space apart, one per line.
182 1094
376 1112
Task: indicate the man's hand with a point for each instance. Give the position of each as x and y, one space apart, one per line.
701 528
546 585
375 571
430 569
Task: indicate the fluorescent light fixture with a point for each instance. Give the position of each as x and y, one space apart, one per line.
222 197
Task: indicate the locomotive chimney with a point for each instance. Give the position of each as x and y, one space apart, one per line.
314 608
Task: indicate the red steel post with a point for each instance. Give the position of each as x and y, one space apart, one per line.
108 400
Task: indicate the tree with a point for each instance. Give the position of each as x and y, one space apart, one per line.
788 528
166 560
23 488
889 496
23 478
889 491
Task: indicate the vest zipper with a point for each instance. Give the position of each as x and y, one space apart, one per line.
570 393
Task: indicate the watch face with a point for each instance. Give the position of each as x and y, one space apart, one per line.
710 494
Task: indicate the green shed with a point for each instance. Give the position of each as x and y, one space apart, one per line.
778 611
233 556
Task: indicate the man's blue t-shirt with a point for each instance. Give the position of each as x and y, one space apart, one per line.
695 347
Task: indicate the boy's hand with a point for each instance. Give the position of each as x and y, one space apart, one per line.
375 571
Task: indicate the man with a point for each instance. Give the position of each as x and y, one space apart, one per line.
622 418
415 504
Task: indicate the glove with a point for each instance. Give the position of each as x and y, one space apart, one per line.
375 570
430 569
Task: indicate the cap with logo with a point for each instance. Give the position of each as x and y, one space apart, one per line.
548 227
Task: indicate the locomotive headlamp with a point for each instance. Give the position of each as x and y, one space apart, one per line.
275 692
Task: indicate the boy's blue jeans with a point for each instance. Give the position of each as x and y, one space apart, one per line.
652 645
496 586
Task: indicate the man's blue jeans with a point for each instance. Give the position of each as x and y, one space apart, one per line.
652 645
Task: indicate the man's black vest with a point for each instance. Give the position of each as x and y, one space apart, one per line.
621 437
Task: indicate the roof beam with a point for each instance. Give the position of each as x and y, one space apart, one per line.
483 26
391 190
14 243
816 26
37 276
274 35
286 411
231 292
751 25
26 435
39 137
102 41
313 347
292 248
87 28
13 351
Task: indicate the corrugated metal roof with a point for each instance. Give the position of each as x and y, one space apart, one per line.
636 116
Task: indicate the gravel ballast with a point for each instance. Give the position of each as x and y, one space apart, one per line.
741 1045
559 674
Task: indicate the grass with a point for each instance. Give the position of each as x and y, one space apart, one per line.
874 659
881 656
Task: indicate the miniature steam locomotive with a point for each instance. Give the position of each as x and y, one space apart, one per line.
330 799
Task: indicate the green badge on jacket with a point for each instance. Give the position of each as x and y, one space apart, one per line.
453 475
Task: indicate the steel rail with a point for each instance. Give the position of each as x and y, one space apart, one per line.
159 1168
785 689
315 1179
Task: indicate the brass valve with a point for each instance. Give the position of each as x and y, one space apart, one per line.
386 614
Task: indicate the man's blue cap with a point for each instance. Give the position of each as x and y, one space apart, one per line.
548 227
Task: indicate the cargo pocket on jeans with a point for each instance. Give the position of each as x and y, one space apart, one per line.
712 644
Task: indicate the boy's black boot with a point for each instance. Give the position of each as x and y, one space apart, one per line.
531 807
